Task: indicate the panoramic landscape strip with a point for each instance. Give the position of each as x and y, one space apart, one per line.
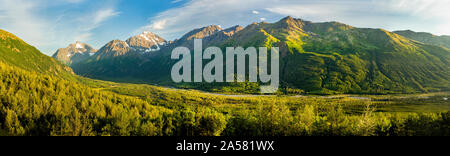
256 77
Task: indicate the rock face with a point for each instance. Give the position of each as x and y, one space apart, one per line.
114 48
201 32
211 35
146 42
222 35
74 53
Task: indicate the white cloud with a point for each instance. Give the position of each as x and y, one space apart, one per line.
48 31
435 13
83 37
199 13
91 22
22 20
419 15
74 1
176 1
158 25
103 15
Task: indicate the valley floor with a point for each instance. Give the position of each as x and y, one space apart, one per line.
419 103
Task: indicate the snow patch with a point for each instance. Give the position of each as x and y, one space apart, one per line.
153 50
79 46
145 37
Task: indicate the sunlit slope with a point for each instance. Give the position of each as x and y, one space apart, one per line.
334 57
15 51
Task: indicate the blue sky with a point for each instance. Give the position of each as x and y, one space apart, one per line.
53 24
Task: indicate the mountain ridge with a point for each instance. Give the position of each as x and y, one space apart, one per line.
323 58
147 41
443 40
17 52
74 53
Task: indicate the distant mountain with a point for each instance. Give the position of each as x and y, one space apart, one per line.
201 32
111 59
147 58
210 35
427 38
14 51
323 58
220 36
114 48
187 40
147 42
74 53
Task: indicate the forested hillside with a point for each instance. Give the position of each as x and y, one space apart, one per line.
16 52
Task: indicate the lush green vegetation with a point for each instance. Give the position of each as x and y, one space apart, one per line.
40 97
15 51
35 104
427 38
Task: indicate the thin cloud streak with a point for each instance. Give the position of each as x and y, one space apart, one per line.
419 15
28 20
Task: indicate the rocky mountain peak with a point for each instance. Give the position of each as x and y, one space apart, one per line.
146 41
75 52
202 32
113 49
291 23
233 30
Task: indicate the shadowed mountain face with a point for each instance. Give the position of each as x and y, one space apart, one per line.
74 53
322 58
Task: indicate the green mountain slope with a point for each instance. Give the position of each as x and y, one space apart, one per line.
334 57
16 52
427 38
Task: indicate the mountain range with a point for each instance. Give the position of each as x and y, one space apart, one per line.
322 58
40 96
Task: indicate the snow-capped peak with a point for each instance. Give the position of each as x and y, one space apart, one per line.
146 42
78 45
144 36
